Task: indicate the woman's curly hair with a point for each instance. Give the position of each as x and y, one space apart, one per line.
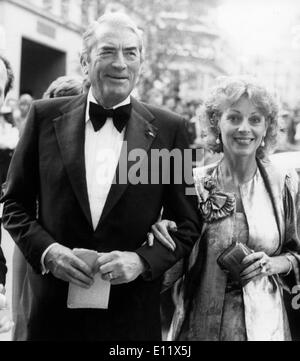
227 92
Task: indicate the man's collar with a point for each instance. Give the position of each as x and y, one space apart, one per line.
91 98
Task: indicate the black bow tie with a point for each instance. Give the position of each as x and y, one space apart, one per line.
98 116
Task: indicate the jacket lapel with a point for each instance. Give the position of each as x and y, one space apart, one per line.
70 132
274 182
140 134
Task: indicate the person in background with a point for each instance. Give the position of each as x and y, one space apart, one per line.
64 86
21 290
20 114
244 200
283 141
6 83
9 137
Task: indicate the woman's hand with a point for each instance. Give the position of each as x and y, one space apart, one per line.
160 232
259 263
5 322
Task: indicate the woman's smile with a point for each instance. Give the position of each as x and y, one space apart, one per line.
243 140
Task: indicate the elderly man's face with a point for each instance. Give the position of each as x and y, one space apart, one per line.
3 81
114 64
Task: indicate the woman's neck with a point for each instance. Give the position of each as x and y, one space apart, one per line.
240 170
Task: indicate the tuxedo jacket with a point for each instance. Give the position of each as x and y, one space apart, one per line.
3 268
46 201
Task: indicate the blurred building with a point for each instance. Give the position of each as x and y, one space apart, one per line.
42 39
185 51
275 60
280 73
197 50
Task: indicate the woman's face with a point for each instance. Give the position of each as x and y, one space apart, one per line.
242 129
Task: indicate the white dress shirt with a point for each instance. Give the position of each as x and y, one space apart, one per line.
102 152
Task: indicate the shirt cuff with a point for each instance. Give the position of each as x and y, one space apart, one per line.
44 269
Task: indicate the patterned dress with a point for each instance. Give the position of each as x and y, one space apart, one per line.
210 305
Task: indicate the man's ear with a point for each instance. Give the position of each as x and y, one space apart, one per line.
84 64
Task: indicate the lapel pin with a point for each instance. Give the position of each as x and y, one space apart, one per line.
150 133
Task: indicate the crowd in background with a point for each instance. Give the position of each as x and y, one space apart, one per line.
289 122
13 115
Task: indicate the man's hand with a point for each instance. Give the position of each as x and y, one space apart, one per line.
63 264
5 322
120 267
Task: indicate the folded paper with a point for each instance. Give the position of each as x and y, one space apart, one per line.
97 296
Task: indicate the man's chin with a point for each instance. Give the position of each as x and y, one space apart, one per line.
115 98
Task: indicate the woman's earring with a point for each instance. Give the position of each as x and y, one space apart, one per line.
263 142
218 141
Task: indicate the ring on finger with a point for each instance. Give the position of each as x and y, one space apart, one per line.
262 262
262 265
110 276
263 269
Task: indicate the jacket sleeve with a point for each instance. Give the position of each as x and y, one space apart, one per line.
3 268
21 196
292 227
180 205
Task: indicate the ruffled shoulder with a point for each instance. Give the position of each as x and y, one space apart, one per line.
213 203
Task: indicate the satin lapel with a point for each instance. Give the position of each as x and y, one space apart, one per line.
140 134
274 184
70 133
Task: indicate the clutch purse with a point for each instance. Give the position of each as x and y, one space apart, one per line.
230 259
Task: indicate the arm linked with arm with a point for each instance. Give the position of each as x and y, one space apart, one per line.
179 207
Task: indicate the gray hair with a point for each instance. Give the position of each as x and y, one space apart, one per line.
64 86
116 19
228 91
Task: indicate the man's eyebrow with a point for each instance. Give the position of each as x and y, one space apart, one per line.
106 47
129 48
112 47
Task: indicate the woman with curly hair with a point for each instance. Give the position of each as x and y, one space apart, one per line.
248 251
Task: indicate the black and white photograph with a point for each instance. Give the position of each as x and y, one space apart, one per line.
149 173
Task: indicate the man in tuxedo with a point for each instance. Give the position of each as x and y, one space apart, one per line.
66 190
6 82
